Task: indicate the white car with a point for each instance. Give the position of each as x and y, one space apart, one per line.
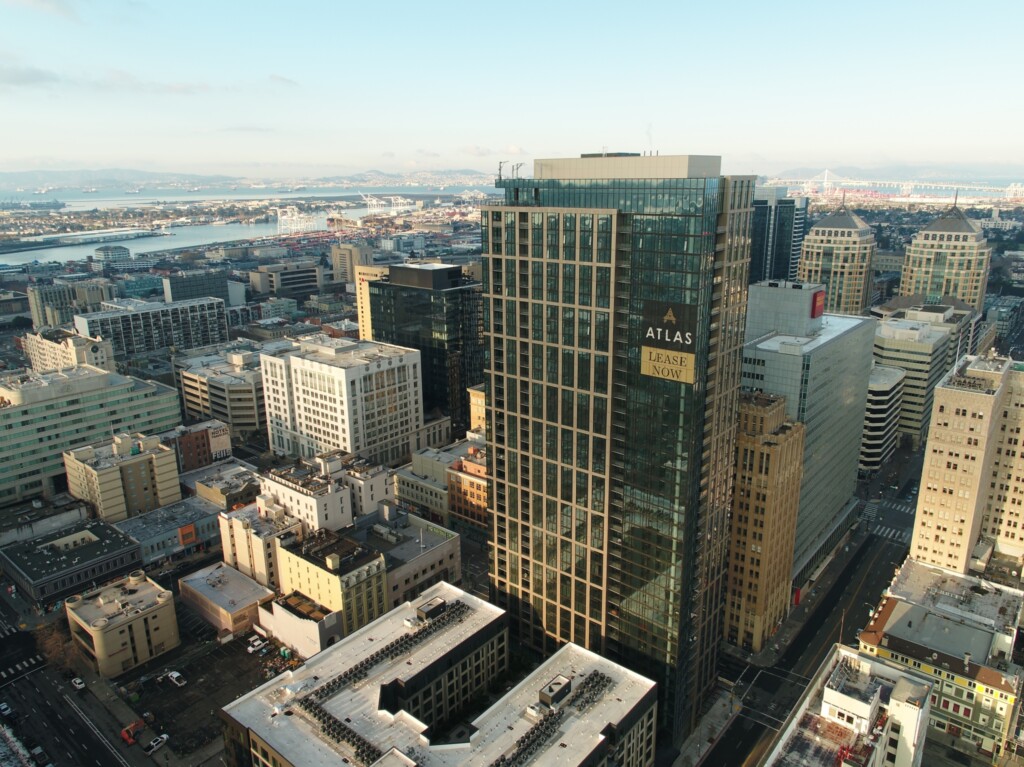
176 679
257 645
156 743
77 683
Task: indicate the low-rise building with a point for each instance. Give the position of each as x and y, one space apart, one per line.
175 531
961 633
123 624
250 542
201 444
225 598
56 348
230 484
309 493
378 696
41 516
855 712
54 566
125 477
292 279
469 490
423 483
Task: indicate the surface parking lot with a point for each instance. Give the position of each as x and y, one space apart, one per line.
215 675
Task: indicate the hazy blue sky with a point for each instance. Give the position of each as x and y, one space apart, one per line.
312 88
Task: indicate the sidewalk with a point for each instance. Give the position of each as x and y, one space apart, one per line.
724 708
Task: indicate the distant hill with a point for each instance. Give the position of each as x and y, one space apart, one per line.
100 177
981 172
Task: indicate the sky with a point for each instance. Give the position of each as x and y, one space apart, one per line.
307 89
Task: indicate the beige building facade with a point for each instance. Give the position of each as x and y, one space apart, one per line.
972 485
949 257
55 349
129 476
837 252
364 275
762 529
123 624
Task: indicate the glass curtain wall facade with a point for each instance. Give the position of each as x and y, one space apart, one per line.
445 325
777 234
614 313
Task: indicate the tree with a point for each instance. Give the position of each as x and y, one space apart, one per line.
53 642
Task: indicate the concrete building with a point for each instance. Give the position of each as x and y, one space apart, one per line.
949 257
279 307
881 418
469 485
1006 313
226 384
425 661
41 516
41 416
821 364
110 256
837 253
230 484
125 477
577 361
972 481
432 308
175 531
477 408
364 276
856 712
309 493
921 350
345 257
360 397
777 231
250 541
201 444
422 484
124 624
294 279
55 349
968 332
338 574
56 304
762 528
963 632
51 567
226 599
136 327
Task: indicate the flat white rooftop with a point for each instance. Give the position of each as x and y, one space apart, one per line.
226 587
345 682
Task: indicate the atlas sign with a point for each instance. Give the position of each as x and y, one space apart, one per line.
668 336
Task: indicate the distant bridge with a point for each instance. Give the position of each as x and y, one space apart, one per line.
828 182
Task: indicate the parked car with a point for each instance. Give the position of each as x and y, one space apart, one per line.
77 683
176 679
156 743
257 645
6 710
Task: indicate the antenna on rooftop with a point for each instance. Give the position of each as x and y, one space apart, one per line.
501 164
956 196
515 169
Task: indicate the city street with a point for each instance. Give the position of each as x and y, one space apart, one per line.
768 695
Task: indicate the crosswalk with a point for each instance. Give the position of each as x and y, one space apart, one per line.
6 631
892 534
23 667
903 507
870 512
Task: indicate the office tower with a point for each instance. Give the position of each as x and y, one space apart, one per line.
837 253
364 276
969 332
50 305
881 418
112 256
777 234
362 397
765 501
54 349
199 283
125 477
949 257
614 299
43 415
973 475
138 327
821 364
345 257
920 349
431 307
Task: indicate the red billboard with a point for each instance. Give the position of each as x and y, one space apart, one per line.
818 304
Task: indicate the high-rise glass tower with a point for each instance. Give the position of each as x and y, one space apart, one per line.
614 306
777 233
433 308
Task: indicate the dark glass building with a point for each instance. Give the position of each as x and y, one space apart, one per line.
614 308
777 231
433 308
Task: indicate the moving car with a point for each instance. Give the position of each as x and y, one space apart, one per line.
77 683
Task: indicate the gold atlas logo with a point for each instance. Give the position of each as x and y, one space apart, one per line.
669 317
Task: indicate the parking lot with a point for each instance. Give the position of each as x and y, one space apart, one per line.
214 675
